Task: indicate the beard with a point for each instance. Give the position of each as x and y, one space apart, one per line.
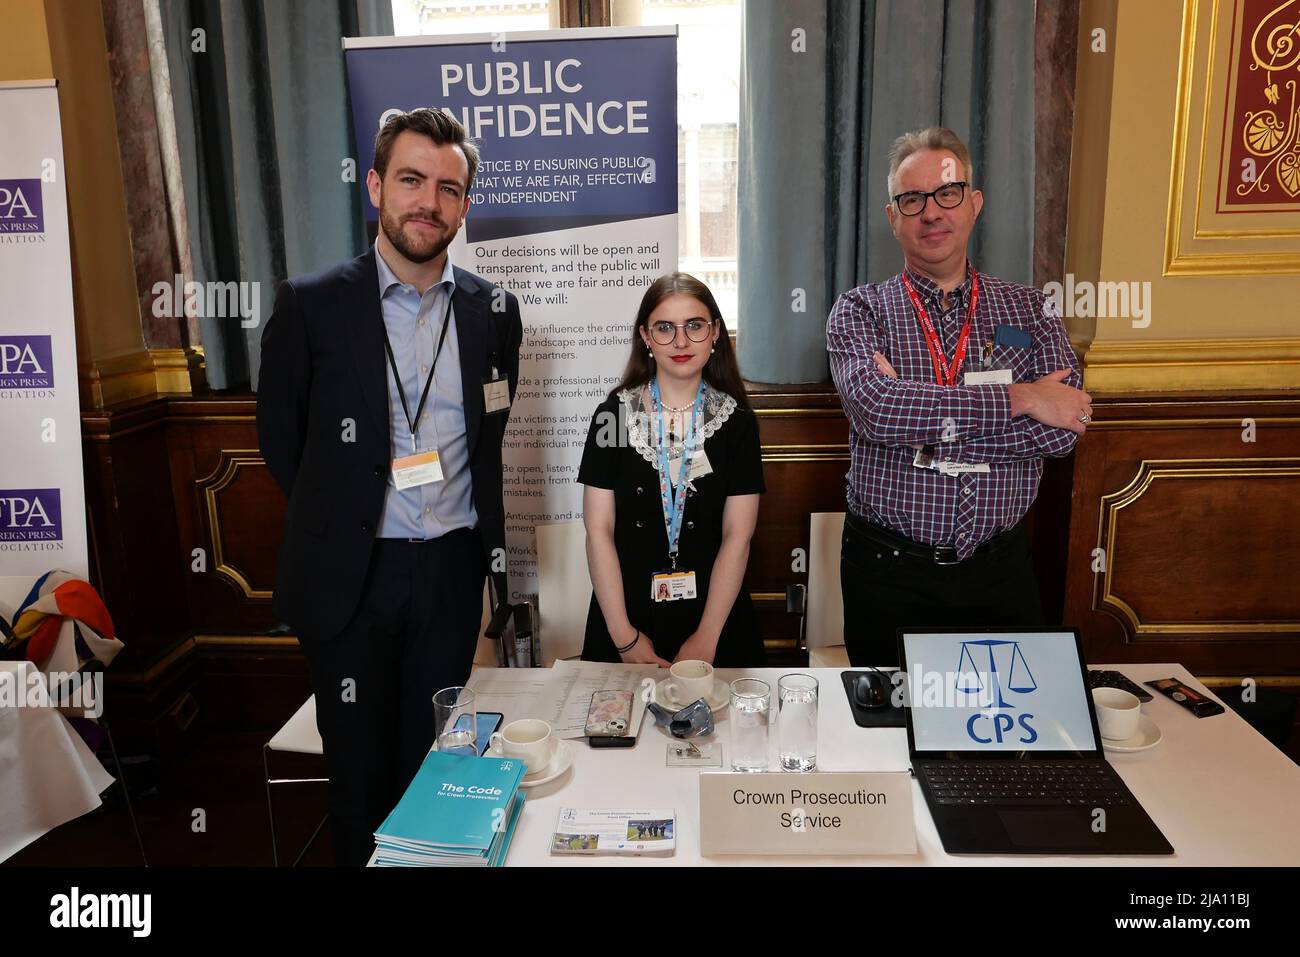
415 248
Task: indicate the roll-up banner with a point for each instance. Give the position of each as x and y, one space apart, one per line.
42 496
574 210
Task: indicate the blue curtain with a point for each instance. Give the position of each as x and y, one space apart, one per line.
826 86
263 128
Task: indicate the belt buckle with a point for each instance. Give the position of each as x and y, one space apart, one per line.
945 555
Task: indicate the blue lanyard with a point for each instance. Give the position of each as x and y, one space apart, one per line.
675 508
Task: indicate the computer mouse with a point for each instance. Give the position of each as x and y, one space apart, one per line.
871 690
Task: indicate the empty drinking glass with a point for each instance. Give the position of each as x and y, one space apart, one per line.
797 722
455 721
749 709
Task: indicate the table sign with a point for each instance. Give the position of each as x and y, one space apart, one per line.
837 812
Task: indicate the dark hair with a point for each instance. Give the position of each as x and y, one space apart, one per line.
439 125
721 371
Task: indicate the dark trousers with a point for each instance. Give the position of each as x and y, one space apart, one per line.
884 592
414 632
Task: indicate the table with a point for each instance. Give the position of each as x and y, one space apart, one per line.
48 775
1221 793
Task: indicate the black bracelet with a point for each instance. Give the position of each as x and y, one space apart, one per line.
628 647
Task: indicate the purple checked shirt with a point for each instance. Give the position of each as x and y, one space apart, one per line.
966 424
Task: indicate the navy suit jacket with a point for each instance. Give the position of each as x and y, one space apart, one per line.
324 381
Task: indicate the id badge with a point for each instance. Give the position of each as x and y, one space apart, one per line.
496 394
672 586
924 457
700 466
989 377
422 468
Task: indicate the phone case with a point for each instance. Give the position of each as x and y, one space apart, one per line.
610 714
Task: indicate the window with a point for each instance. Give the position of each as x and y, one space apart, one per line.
708 118
416 17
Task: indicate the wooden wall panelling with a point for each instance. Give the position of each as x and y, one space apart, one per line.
231 508
137 566
1201 531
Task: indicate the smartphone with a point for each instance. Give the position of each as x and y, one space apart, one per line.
488 722
610 714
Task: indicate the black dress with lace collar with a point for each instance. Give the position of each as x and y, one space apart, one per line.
628 467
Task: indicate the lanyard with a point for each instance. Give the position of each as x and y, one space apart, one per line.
401 389
676 508
944 372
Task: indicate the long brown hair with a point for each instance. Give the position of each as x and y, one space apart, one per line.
721 371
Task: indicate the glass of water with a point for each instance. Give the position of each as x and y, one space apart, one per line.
455 721
749 710
796 722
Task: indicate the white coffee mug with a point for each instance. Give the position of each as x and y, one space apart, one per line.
528 740
691 680
1117 712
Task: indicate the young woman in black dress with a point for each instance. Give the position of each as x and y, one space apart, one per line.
673 453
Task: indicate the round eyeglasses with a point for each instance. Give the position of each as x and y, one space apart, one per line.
664 332
949 195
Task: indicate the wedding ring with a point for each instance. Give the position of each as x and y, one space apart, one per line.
1085 418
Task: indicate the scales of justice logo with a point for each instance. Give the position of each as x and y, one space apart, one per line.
1001 669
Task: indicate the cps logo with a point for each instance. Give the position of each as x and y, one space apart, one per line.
1007 671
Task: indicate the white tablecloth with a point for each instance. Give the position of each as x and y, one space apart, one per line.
48 775
1219 791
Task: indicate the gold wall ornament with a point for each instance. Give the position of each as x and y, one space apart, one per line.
1234 186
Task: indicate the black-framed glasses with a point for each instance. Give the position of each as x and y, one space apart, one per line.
949 196
664 332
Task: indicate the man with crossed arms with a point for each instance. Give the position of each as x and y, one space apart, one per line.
955 385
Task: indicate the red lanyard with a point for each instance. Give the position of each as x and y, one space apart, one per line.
945 373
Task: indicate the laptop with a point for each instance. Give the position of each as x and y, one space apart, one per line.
1004 741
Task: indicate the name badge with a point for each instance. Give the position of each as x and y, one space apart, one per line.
422 468
496 394
672 586
700 466
958 468
989 377
837 812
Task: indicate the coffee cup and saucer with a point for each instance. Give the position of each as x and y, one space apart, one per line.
687 682
531 741
1122 724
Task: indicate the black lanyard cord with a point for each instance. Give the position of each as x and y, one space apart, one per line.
392 362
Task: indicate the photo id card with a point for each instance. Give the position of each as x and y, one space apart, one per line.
422 468
672 586
496 394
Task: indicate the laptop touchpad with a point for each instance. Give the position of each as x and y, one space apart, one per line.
1049 827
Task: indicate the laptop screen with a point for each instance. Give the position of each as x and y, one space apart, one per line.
983 691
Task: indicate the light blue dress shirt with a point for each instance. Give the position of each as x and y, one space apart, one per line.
414 323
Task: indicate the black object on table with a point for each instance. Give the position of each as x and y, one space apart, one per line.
887 716
1099 678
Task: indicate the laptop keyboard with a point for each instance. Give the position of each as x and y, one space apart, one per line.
1086 784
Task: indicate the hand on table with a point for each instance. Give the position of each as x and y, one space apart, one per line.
642 653
697 648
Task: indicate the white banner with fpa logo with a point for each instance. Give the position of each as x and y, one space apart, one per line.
42 498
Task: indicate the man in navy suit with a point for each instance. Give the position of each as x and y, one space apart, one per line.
385 389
